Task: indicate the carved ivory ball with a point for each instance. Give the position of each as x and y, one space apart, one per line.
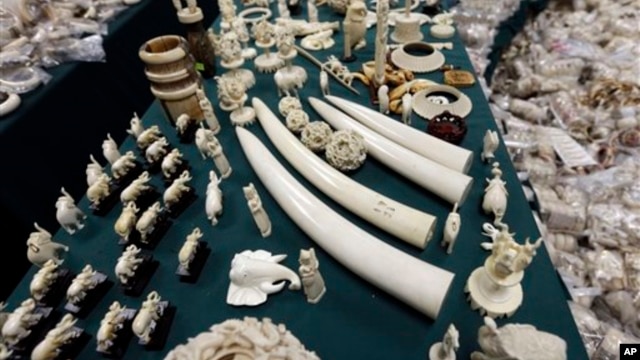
297 119
346 150
315 135
289 103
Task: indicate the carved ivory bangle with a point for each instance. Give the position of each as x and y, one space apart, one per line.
442 152
427 109
404 222
448 184
411 280
9 104
265 14
420 64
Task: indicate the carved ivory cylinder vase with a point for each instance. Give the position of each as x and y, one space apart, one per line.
174 80
418 284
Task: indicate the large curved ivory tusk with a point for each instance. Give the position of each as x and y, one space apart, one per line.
411 280
404 222
448 184
440 151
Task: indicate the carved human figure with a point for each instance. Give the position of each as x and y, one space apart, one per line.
383 99
189 248
451 229
110 150
231 93
260 216
40 247
19 322
136 188
126 221
207 110
312 11
446 349
490 145
220 159
495 195
171 162
355 24
63 333
239 26
147 222
213 203
324 83
110 324
312 281
69 216
407 109
150 312
176 191
283 10
43 280
128 263
123 165
81 285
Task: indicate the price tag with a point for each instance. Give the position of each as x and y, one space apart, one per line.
199 66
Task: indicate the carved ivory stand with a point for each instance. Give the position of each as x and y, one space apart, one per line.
493 295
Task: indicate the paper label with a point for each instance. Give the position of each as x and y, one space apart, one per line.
199 66
569 150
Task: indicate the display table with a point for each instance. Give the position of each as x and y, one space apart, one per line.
354 320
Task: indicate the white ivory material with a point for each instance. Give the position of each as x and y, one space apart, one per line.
448 184
411 280
440 151
408 224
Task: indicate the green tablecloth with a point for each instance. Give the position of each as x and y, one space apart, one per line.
354 320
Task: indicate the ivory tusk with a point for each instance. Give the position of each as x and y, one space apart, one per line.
406 223
448 184
411 280
440 151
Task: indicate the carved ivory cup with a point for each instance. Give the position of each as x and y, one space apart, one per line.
170 68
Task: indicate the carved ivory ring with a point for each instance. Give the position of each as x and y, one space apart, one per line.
404 58
427 109
10 103
265 14
22 80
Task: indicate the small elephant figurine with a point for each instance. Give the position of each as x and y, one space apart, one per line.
40 247
69 216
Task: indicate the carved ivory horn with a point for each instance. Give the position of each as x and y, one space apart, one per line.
440 151
448 184
411 280
402 221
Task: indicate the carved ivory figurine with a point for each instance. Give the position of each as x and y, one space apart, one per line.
213 203
135 126
19 322
146 319
45 277
110 150
109 326
312 281
63 333
446 349
517 342
136 188
495 195
451 229
123 165
99 190
189 248
257 211
207 110
94 170
126 221
490 144
69 216
383 99
210 146
5 353
355 24
256 274
171 162
407 109
128 263
156 150
147 222
81 284
177 189
148 137
182 124
40 247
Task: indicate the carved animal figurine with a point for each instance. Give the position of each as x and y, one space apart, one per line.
126 221
189 248
81 284
490 145
518 342
324 82
49 347
383 99
19 322
182 123
356 24
135 126
156 150
123 165
110 324
144 322
148 137
69 216
127 264
213 203
446 349
451 229
40 247
495 195
171 162
204 137
406 108
5 353
177 189
99 190
289 82
312 281
94 170
136 188
147 222
43 279
256 274
110 150
260 216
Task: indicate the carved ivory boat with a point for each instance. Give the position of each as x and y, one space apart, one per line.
448 184
411 280
402 221
440 151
